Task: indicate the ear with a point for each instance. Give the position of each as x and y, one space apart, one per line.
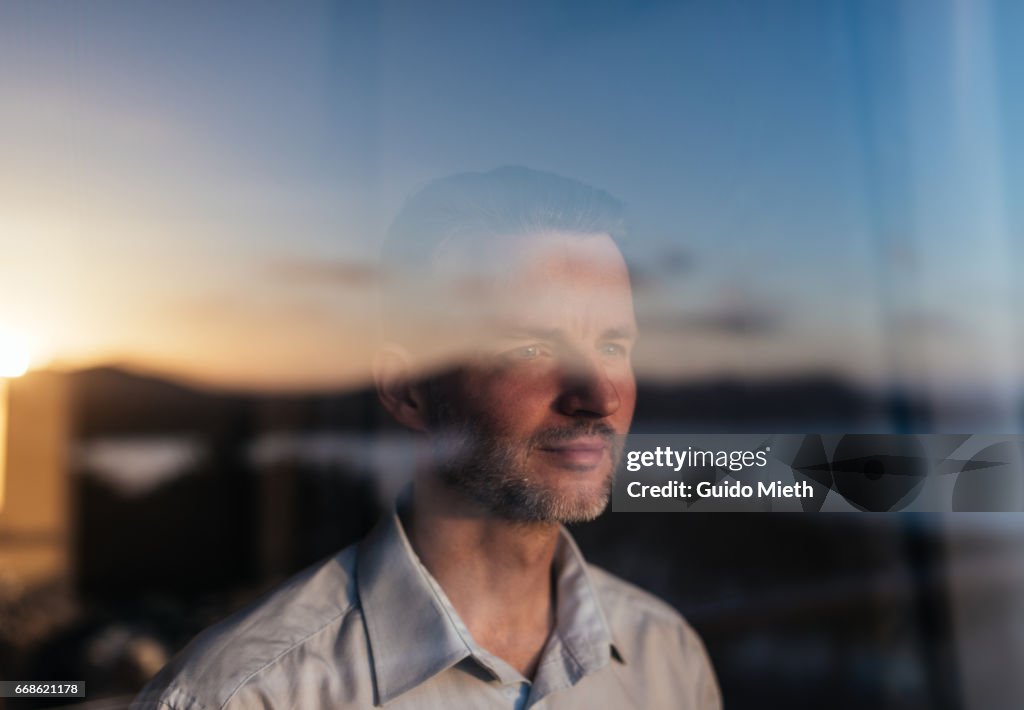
398 389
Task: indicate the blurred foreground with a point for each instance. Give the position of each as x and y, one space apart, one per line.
139 511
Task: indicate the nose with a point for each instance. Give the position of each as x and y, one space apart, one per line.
587 391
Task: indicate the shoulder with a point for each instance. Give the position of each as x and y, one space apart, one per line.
319 602
656 638
625 603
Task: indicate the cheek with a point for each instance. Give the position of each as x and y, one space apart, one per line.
626 387
515 395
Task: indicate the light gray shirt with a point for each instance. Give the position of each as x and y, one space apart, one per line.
371 627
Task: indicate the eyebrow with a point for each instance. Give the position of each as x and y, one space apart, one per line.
623 332
620 333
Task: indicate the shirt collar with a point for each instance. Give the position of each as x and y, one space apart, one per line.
411 637
415 634
580 621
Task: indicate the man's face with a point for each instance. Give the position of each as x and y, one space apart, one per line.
530 424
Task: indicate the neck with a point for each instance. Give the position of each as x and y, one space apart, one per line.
495 572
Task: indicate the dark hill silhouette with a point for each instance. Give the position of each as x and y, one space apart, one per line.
110 401
116 402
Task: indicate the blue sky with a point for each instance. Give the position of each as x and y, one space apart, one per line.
841 172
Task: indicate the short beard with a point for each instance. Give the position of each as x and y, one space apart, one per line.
492 471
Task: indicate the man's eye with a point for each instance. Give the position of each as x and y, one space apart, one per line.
613 350
527 352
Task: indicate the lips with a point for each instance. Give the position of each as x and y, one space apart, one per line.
584 452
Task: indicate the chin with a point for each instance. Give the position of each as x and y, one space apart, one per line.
575 505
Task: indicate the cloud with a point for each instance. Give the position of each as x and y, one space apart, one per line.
735 313
924 323
664 264
750 323
336 272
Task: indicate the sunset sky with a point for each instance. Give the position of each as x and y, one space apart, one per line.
199 189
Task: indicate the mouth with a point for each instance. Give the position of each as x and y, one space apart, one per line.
582 453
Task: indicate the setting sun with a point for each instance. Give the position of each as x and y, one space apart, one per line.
14 354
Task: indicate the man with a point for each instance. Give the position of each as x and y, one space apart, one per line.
509 332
